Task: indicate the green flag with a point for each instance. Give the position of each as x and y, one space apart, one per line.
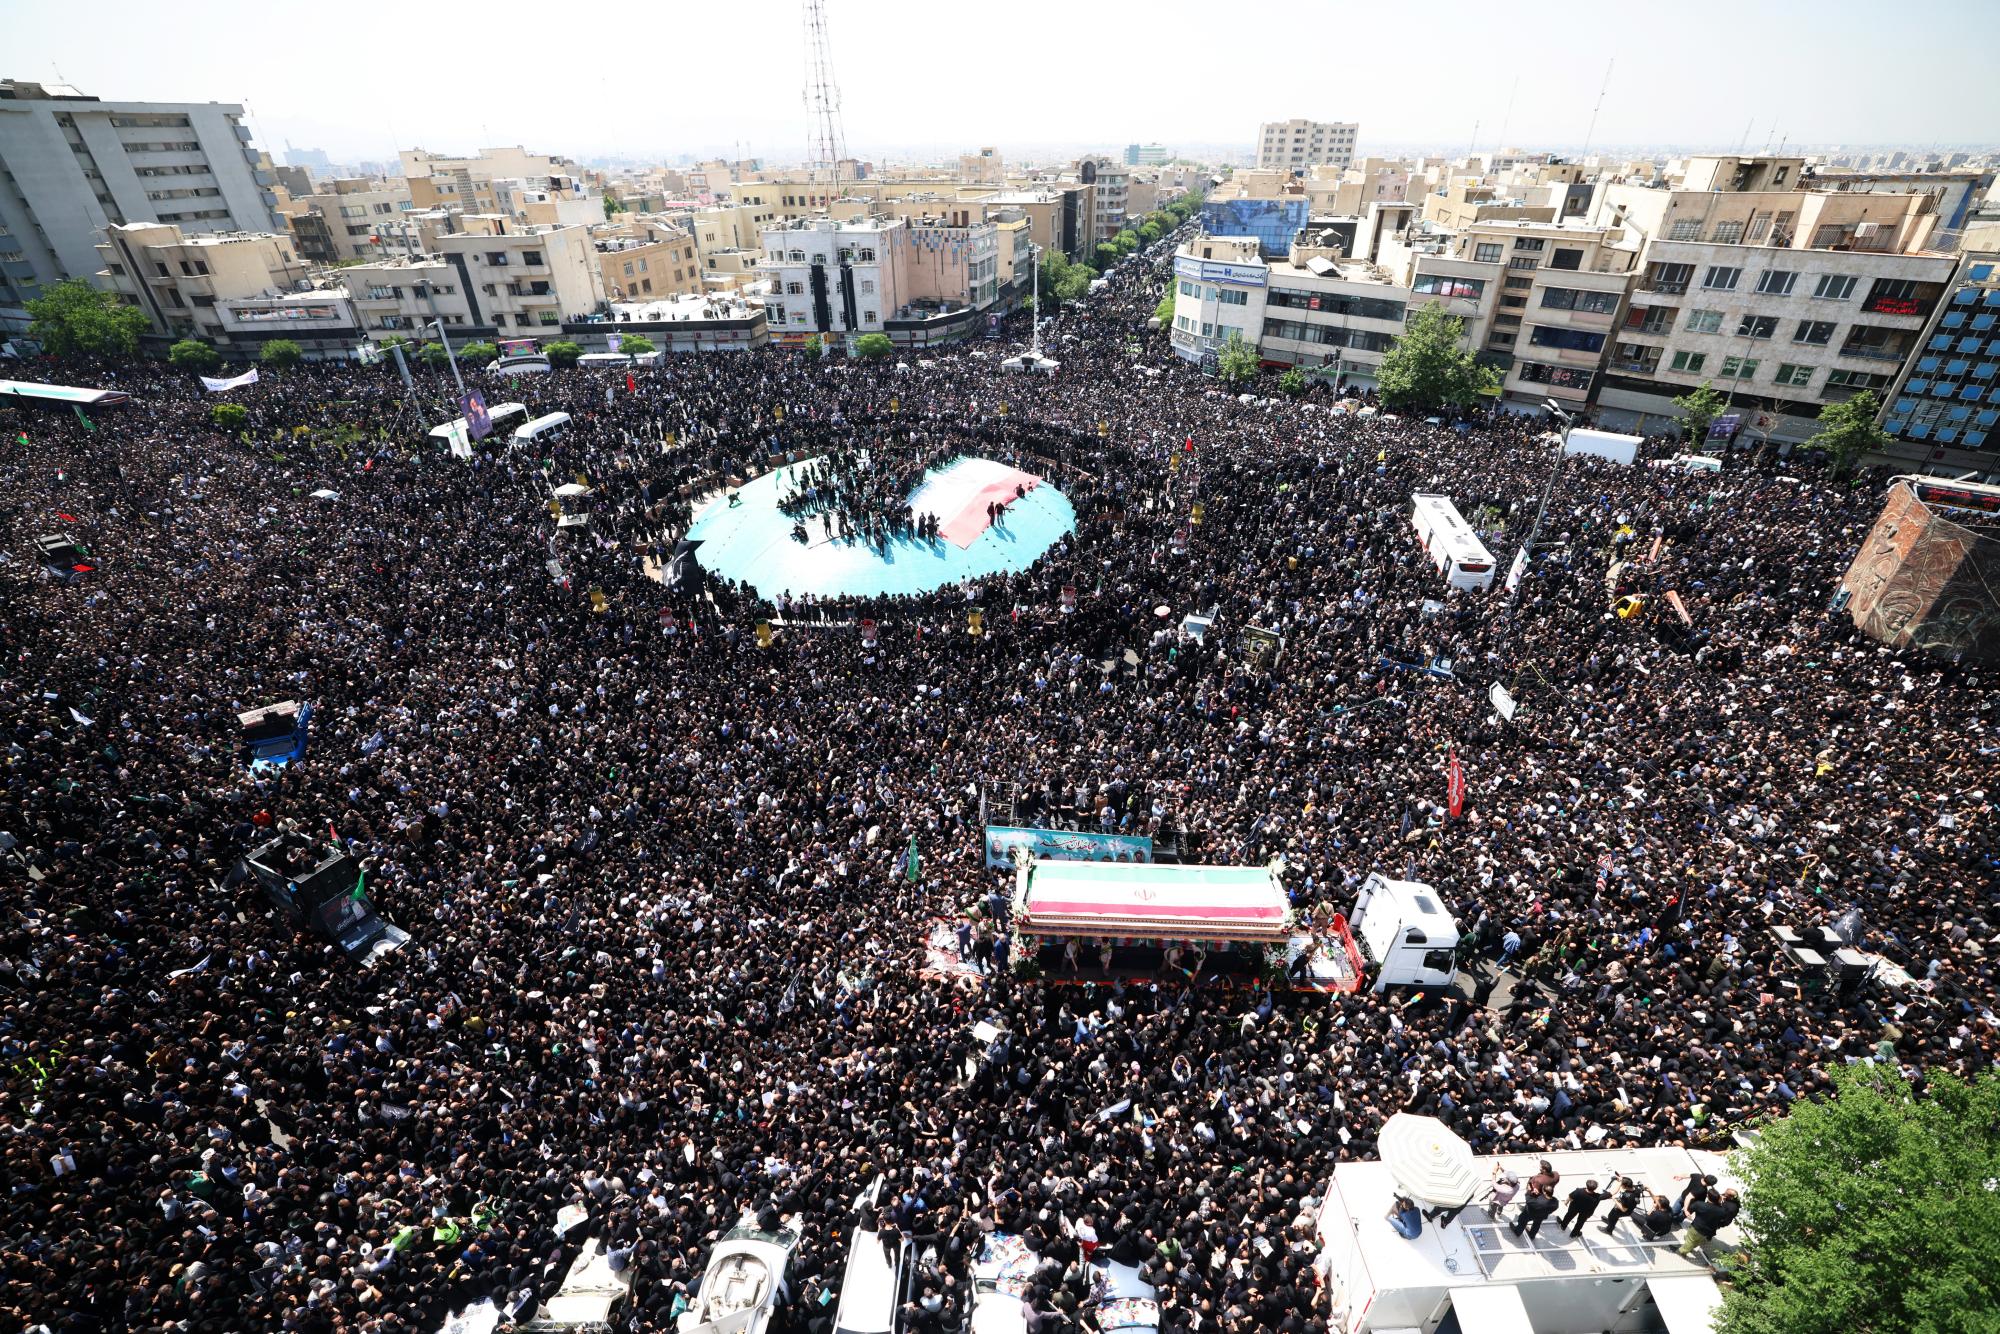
87 425
910 863
22 437
360 880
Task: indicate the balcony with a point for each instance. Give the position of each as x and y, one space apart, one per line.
1664 286
1642 367
1888 354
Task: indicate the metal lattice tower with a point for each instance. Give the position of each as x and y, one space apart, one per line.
822 97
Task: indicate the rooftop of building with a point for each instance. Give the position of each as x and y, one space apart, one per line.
1341 270
682 309
200 238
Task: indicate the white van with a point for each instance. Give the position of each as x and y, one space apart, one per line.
602 361
455 431
551 424
1403 928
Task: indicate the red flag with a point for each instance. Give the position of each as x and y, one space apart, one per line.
1454 787
1188 448
66 518
631 385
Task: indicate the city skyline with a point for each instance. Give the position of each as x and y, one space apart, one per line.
738 92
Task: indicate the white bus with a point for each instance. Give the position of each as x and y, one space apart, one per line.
1450 542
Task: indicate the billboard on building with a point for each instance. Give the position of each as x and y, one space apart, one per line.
1274 222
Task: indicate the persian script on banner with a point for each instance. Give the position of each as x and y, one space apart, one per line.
235 382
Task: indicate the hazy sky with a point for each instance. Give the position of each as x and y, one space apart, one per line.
661 79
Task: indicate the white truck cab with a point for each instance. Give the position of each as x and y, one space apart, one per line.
1404 929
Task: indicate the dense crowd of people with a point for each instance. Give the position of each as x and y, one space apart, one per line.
667 964
864 493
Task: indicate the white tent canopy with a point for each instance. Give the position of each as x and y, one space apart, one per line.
1430 1163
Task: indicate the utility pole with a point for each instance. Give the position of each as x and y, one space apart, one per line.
1035 343
1526 553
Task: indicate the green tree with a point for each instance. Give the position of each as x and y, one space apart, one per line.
873 346
563 353
1151 230
1107 255
612 206
280 353
1125 242
478 354
815 348
433 354
1875 1210
1236 361
635 345
1426 369
1699 407
74 319
1164 312
1848 430
1292 383
193 355
229 416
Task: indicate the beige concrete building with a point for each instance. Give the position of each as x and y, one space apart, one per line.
984 167
1332 313
489 280
358 217
182 282
1220 286
1785 299
642 260
1294 145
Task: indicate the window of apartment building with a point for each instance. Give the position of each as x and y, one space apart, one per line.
867 255
795 289
1690 363
1834 287
1704 321
1225 297
1486 253
531 257
487 288
1566 257
1569 340
1532 244
496 257
1816 333
645 284
1578 299
1638 358
868 317
775 313
1794 376
642 264
1650 319
628 268
548 317
1855 380
1729 233
1507 321
1721 278
1520 284
1672 279
1685 229
1513 302
1867 340
162 268
1777 282
1893 296
1499 339
1757 326
1739 368
1760 227
868 287
1524 262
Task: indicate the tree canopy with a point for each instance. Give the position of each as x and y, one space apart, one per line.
281 352
1875 1210
873 346
1063 279
1235 360
1699 408
1426 369
563 353
74 319
478 354
1848 430
191 354
635 345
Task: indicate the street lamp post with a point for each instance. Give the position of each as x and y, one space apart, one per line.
1535 531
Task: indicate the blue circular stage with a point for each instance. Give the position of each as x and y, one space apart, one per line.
751 540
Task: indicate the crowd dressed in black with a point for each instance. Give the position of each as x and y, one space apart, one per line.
862 493
667 964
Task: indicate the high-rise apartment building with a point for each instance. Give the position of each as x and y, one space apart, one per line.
1294 145
71 166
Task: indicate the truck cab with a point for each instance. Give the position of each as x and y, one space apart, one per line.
1406 933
